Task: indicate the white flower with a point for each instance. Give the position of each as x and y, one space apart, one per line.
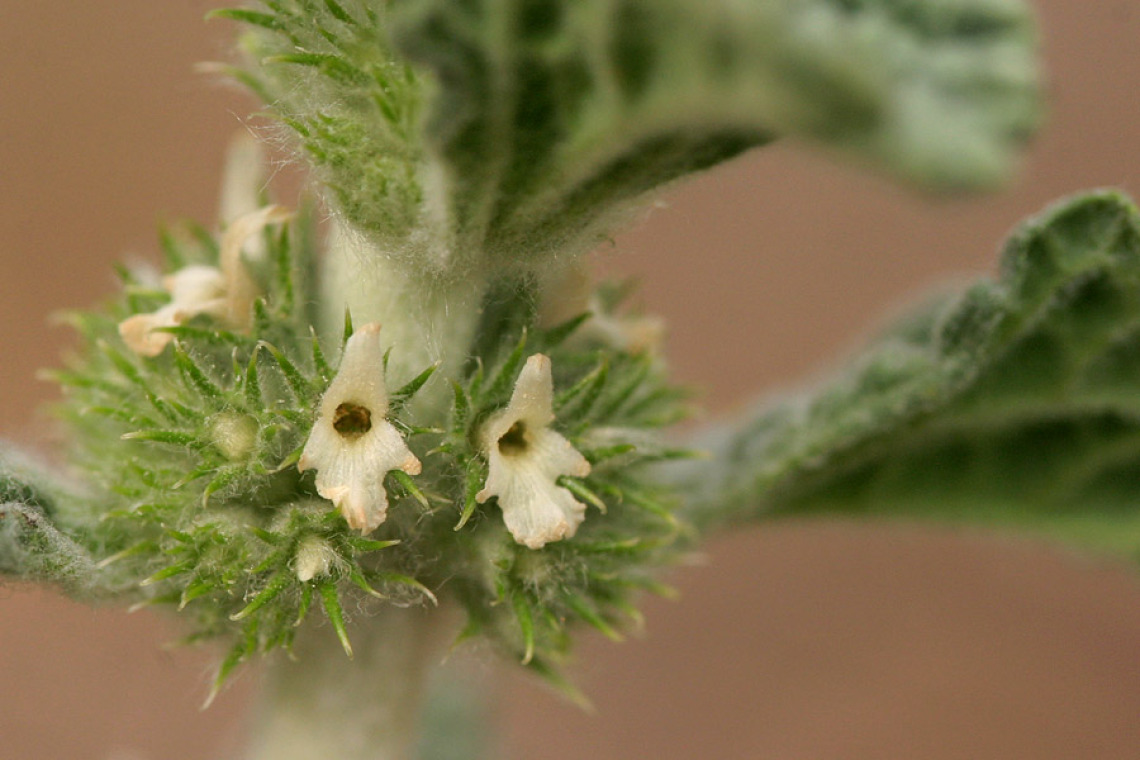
226 292
526 459
572 292
352 445
193 290
632 333
244 177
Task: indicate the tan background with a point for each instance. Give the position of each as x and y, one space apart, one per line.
792 641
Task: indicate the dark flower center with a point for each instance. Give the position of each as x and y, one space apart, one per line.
514 441
352 420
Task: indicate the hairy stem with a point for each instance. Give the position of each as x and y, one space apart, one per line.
426 317
325 705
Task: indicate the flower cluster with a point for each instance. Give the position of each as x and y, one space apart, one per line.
247 480
226 292
353 447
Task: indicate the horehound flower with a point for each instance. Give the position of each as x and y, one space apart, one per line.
352 446
572 292
226 292
526 458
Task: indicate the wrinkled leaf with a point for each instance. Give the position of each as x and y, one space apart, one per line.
550 116
1017 402
23 480
327 71
529 129
33 549
32 546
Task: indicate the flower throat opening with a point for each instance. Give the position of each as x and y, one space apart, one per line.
514 441
352 420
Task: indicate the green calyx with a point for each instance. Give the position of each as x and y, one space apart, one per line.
196 502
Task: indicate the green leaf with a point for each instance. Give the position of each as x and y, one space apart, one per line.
577 487
592 617
327 71
271 591
474 477
330 600
549 117
24 482
33 548
585 392
237 654
526 625
533 126
401 397
409 486
409 582
324 370
195 376
302 389
174 437
246 17
1015 402
507 374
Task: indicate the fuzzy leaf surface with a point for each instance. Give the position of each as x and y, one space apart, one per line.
37 515
327 71
1013 403
549 117
22 480
33 549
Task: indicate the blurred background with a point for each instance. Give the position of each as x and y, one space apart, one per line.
815 641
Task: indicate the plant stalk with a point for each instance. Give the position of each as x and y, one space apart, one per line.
426 316
325 706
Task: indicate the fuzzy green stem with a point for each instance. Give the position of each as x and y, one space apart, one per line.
427 316
324 705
